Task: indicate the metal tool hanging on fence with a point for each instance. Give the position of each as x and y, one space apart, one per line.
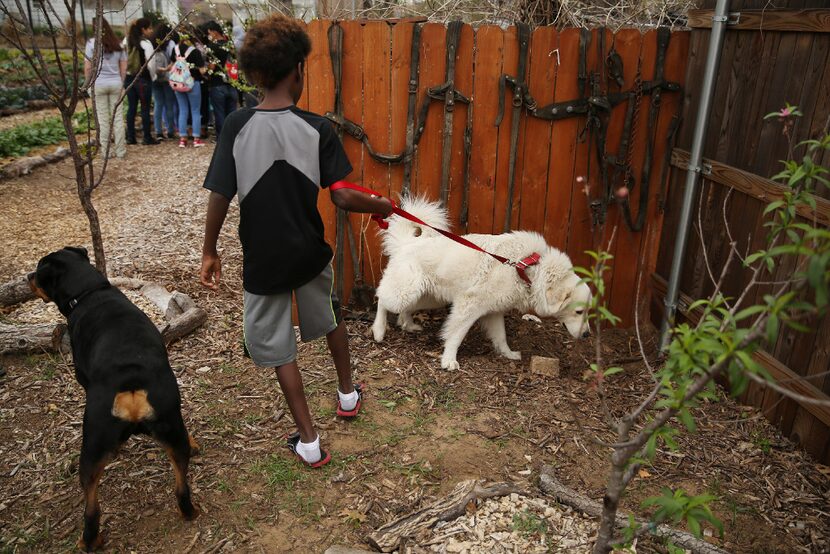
444 92
596 107
520 93
447 93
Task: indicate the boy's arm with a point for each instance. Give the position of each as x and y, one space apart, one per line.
354 201
211 271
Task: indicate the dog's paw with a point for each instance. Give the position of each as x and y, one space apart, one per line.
411 327
378 332
195 449
449 365
193 513
531 317
96 544
511 354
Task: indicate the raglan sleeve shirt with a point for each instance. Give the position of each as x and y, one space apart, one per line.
334 165
221 175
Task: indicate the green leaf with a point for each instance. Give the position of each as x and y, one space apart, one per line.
772 206
752 258
687 420
750 311
772 327
748 363
694 526
612 371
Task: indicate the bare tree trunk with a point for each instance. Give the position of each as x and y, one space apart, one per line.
610 504
85 189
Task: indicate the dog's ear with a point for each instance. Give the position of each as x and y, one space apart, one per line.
78 250
557 298
45 280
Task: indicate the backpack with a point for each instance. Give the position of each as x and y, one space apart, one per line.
133 61
180 78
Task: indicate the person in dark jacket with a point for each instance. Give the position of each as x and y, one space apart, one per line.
223 96
140 77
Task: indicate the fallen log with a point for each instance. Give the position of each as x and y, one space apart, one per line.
550 485
181 313
41 337
15 292
24 166
388 537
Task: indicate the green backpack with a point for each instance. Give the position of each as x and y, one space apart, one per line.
133 61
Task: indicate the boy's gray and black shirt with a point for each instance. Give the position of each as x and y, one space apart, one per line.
276 162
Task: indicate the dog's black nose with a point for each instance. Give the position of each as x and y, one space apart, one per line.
586 334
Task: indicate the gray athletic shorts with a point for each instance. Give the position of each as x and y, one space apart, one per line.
267 327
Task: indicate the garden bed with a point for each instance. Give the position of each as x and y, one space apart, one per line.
421 432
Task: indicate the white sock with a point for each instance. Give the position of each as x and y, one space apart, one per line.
310 451
347 401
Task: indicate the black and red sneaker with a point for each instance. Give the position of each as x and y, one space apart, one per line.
354 411
294 439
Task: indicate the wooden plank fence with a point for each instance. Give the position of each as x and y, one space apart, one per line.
550 155
768 58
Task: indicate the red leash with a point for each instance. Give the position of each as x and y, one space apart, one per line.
520 266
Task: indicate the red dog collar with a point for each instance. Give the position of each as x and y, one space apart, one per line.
525 263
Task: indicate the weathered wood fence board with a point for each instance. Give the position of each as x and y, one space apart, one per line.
759 72
550 155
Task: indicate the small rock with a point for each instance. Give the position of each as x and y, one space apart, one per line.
540 365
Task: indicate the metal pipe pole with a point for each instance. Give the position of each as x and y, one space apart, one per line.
693 173
83 22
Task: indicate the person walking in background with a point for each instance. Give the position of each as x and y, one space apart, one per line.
139 50
108 87
190 102
245 98
164 99
223 97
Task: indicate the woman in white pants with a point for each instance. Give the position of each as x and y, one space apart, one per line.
108 88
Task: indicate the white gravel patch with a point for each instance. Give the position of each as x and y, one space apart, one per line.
515 524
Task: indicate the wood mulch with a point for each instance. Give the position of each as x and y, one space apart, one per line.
422 429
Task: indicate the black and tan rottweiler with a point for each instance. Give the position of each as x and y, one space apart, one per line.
121 361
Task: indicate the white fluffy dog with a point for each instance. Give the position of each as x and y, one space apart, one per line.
427 270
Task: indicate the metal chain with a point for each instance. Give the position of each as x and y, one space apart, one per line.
635 119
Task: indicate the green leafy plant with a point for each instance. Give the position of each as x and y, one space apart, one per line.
723 342
529 524
18 141
676 506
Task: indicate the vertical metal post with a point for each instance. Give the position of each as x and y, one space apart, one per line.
83 22
692 174
29 10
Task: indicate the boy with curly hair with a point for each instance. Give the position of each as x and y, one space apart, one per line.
276 158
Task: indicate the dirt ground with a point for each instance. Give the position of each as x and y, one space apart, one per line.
422 429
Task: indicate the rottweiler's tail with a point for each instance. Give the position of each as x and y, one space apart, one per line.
132 406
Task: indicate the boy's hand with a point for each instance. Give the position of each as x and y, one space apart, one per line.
386 206
211 271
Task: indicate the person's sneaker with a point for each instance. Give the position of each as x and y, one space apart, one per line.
160 137
150 142
131 141
182 142
197 143
354 411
